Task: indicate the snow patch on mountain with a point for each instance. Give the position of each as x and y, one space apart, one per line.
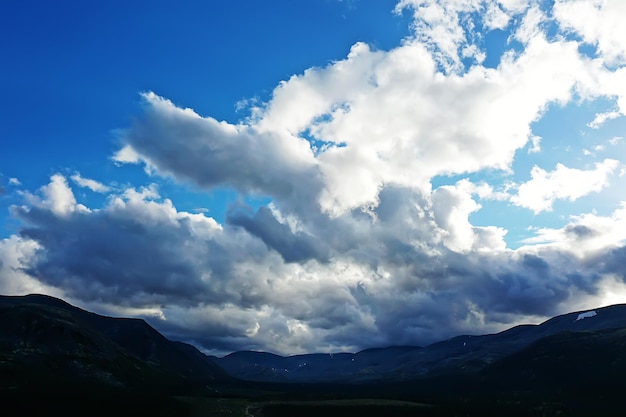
586 314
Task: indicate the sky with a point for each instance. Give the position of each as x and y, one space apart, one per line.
315 176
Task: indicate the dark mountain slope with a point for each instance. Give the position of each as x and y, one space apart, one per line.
54 356
370 364
588 359
43 339
577 373
472 353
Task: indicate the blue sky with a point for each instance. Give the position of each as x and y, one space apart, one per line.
315 175
74 72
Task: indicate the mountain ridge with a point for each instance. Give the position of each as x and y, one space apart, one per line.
464 353
458 355
45 335
80 363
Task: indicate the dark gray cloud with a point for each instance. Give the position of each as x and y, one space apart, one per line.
580 231
293 247
614 263
138 252
113 259
209 153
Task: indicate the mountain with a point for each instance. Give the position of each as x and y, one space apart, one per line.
370 364
459 355
57 357
44 340
589 360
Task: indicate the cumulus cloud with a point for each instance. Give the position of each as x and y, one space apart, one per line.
178 142
93 185
10 183
599 23
292 246
586 235
601 118
57 196
369 111
452 207
540 192
407 272
449 28
123 251
15 253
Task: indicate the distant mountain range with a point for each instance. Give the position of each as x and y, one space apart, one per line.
459 355
51 349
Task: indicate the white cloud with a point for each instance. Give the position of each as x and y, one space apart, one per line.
514 6
93 185
180 143
587 235
451 209
601 118
482 190
447 27
496 17
126 155
452 206
540 192
57 197
530 28
16 253
535 144
14 181
599 23
468 126
383 117
438 25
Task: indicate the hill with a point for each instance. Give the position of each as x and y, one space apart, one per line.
57 357
459 355
49 336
